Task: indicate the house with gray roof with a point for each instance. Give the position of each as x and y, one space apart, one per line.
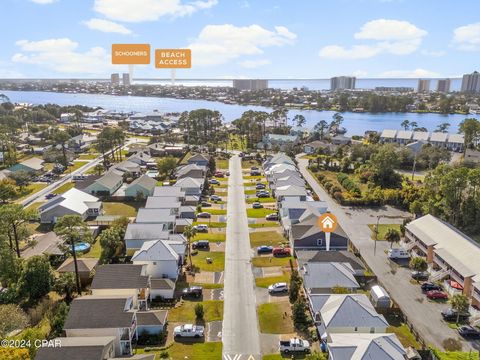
32 165
142 186
106 185
290 191
163 202
160 259
136 234
199 159
345 313
49 244
129 280
141 158
79 348
365 346
156 216
308 256
320 278
125 167
72 202
292 209
170 191
191 170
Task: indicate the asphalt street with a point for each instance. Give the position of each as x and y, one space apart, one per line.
422 313
240 334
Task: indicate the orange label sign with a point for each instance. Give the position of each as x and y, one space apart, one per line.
130 54
327 222
173 58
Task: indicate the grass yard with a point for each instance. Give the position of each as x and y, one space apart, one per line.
212 224
76 165
253 183
191 351
90 156
208 286
382 230
249 177
218 260
122 209
64 188
186 313
221 193
264 225
260 200
211 237
259 213
221 164
402 331
265 282
273 320
31 189
267 261
215 211
271 238
456 355
35 205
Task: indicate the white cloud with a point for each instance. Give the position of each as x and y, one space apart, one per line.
148 10
417 73
433 53
467 37
360 73
390 37
252 64
60 55
43 2
218 44
107 26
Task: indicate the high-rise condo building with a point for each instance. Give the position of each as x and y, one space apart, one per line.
126 79
471 83
443 85
342 83
115 79
250 84
423 86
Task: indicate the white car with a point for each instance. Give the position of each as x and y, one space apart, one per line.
398 254
188 330
201 228
278 288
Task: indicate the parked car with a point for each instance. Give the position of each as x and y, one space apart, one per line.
272 217
219 173
294 345
214 182
50 196
280 251
260 186
278 288
430 286
257 205
262 192
395 254
254 168
437 294
215 198
255 173
192 291
206 204
204 215
79 177
264 249
201 228
188 330
420 275
263 195
469 331
201 244
451 315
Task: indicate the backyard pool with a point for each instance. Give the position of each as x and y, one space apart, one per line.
82 247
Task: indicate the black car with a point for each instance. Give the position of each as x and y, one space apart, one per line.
206 204
469 331
192 291
451 315
263 195
201 244
430 286
420 275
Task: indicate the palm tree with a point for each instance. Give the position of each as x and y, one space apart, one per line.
460 304
72 229
418 264
405 124
392 236
189 233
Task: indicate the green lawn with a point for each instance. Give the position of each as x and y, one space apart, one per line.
218 260
221 163
271 238
221 193
95 251
248 177
269 280
31 189
272 318
456 355
64 188
186 313
267 261
208 286
260 200
210 237
264 225
35 205
259 213
402 331
250 192
253 183
382 230
190 351
211 224
90 156
76 165
215 211
122 209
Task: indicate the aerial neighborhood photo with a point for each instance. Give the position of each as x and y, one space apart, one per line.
239 180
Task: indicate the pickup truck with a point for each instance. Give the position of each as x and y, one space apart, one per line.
294 345
188 330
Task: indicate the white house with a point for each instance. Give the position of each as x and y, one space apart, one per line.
160 259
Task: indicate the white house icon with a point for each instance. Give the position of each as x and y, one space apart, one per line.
328 223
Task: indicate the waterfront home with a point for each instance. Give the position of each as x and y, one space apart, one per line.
321 278
345 313
142 186
106 185
72 202
354 346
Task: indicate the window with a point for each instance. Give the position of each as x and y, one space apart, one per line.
319 242
372 330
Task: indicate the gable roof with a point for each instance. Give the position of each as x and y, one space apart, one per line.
199 157
33 163
77 348
91 312
361 346
154 216
119 276
290 190
388 134
83 264
155 250
109 180
73 199
328 275
152 317
168 191
145 182
183 170
188 182
49 244
162 202
138 231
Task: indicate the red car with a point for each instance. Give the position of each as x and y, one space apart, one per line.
279 251
436 294
218 173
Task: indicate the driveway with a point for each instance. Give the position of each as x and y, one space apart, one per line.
425 316
240 335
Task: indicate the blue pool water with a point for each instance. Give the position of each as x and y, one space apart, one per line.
82 247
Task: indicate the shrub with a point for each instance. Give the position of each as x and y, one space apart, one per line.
199 311
320 177
164 355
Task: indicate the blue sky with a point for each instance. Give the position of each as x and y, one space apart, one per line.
244 38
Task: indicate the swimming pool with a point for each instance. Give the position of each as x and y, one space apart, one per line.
82 247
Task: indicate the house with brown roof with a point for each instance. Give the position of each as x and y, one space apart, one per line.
85 268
